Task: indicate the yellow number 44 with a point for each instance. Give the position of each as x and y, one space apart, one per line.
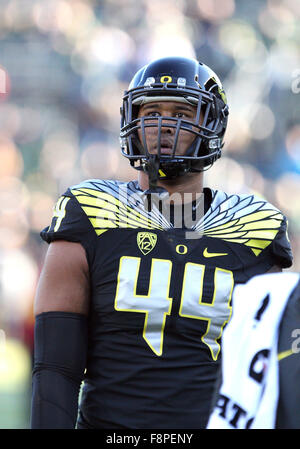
157 304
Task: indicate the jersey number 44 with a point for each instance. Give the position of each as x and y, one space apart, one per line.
157 304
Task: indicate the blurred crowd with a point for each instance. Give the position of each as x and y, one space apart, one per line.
64 65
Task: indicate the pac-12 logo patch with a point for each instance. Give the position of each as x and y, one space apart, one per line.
146 241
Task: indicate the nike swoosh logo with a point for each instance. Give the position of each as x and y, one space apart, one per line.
207 254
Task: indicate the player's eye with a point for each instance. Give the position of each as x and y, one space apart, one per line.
153 114
180 114
185 114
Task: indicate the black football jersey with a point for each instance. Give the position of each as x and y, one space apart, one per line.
161 296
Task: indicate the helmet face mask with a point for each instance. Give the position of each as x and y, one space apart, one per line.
180 80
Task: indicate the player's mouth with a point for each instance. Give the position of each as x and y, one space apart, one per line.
166 147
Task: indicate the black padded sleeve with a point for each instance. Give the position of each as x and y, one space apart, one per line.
60 347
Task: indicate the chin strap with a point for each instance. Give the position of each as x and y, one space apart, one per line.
152 169
154 194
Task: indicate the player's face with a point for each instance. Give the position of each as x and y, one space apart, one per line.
167 109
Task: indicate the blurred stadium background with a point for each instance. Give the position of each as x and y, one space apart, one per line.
64 65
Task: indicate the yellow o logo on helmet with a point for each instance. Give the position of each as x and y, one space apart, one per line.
166 79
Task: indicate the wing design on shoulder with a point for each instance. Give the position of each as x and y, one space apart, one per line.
244 219
113 204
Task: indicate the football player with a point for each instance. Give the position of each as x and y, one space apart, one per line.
134 296
259 385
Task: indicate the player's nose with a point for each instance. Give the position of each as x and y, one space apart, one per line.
168 127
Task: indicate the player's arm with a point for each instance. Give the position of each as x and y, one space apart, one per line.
61 308
64 281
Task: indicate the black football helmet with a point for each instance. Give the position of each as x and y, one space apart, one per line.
174 79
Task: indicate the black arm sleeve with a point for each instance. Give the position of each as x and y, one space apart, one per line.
60 347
